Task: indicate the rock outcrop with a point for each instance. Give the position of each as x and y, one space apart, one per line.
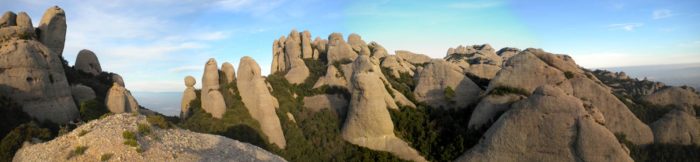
338 50
334 102
257 99
678 96
368 123
104 137
478 60
507 52
87 62
82 93
212 99
433 82
548 126
120 100
413 58
534 67
332 78
396 65
53 29
33 74
489 107
378 51
229 72
288 55
680 126
187 96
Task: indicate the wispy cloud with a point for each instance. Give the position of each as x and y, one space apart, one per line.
475 5
661 14
625 26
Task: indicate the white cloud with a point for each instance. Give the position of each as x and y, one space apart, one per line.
618 59
474 5
661 14
625 26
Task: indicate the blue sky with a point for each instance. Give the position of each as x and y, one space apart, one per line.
153 44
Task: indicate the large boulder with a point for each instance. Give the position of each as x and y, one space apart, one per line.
8 19
53 29
368 123
259 101
534 67
378 51
338 50
104 137
680 126
548 126
87 62
306 49
33 76
120 100
677 96
187 96
212 99
433 82
82 93
358 45
413 58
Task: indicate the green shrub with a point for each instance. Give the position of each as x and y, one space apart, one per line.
11 115
106 157
14 140
503 90
83 132
568 74
80 150
129 135
403 84
92 109
159 121
449 94
143 129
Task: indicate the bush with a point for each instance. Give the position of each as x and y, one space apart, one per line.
82 133
503 90
14 140
11 115
403 84
159 121
568 74
80 150
92 109
106 157
143 129
449 94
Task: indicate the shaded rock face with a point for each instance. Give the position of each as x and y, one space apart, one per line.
338 50
433 81
548 126
677 96
120 100
32 74
82 93
368 122
625 86
680 126
53 29
378 51
212 99
87 62
257 99
534 67
105 137
413 58
478 60
398 66
187 96
335 102
507 52
489 107
332 78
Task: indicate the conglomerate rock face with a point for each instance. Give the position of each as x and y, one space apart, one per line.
437 79
259 101
680 126
550 125
678 96
31 71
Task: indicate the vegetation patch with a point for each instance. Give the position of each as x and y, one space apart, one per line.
143 129
14 140
660 152
449 94
159 121
503 90
130 139
568 74
80 150
83 132
403 84
92 109
106 157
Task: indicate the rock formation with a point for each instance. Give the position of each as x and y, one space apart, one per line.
534 67
187 96
678 96
368 122
87 62
413 58
338 50
489 107
82 93
332 78
398 66
104 136
53 29
120 100
433 82
31 73
212 99
680 126
378 51
507 52
257 99
478 60
335 102
288 55
229 72
548 126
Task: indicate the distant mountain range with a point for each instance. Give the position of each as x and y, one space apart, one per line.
167 103
675 74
